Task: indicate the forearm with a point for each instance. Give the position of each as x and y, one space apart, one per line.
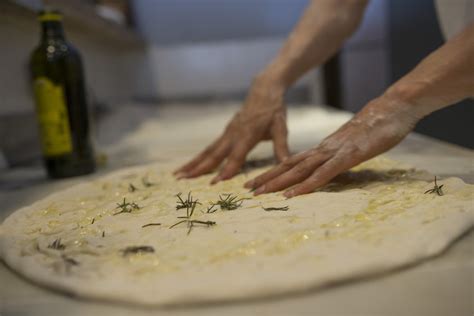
320 32
445 77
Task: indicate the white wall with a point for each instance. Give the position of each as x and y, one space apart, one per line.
218 68
215 47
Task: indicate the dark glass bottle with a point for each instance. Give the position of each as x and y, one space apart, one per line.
61 103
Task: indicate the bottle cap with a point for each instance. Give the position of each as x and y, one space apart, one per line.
49 15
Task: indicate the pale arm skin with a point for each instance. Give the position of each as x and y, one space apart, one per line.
445 77
318 35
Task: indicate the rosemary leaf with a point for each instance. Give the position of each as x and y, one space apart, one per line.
68 261
151 224
192 223
269 209
132 250
57 245
131 187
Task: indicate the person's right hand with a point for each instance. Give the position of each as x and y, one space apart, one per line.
379 126
262 117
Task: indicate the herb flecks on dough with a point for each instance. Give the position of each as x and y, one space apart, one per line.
146 183
133 250
192 223
57 245
151 224
131 188
270 209
126 207
68 261
437 189
226 202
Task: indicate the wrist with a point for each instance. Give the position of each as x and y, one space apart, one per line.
273 76
266 92
409 96
389 109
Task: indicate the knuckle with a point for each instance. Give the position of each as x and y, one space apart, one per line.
288 163
350 151
301 168
232 163
213 158
322 149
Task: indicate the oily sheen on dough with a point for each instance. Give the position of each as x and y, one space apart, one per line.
370 220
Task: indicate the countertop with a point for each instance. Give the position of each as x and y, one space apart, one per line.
139 134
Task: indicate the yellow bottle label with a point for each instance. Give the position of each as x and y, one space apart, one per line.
53 117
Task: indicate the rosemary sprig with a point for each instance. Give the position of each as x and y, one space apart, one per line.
103 233
193 222
132 250
189 203
131 188
93 221
151 224
126 207
269 209
229 203
437 189
57 245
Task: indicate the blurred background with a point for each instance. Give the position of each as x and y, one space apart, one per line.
144 53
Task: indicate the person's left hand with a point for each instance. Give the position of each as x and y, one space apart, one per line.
379 126
262 117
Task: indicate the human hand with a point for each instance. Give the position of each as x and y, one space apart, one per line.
262 117
379 126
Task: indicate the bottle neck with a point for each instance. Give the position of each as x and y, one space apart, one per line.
52 31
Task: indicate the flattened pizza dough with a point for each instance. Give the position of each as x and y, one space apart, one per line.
373 219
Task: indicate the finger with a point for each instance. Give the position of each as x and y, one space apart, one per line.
321 176
211 161
196 160
235 160
298 173
277 170
280 138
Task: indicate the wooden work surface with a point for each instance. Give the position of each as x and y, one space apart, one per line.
137 134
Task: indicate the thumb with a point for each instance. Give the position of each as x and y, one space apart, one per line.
279 133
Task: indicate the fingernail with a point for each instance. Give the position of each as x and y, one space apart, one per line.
181 175
216 179
260 190
289 193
